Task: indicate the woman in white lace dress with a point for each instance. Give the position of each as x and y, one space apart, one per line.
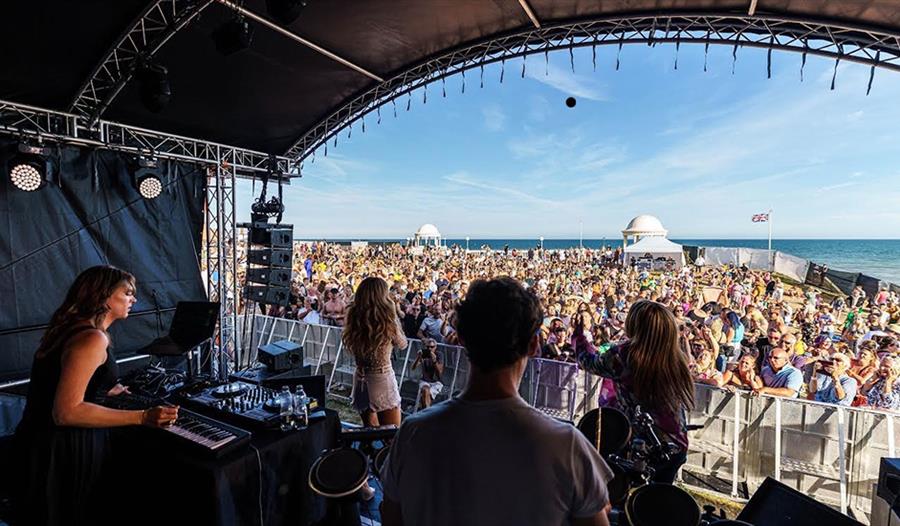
371 332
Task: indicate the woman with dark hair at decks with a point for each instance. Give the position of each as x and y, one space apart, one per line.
62 440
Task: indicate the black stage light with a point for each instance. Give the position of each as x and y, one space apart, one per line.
154 87
271 208
285 11
233 36
146 178
28 168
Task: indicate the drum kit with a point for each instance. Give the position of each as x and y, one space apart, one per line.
631 448
341 473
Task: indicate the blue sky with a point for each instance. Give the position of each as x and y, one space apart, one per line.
703 151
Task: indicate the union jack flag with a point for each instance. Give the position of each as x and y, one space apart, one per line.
760 218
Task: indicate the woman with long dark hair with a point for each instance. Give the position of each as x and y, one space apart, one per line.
649 370
371 332
62 440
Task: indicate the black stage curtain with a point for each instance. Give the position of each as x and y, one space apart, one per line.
91 214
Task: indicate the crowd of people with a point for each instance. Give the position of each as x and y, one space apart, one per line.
740 328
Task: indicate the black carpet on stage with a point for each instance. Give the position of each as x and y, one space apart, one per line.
91 214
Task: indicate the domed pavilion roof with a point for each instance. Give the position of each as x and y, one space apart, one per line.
428 230
645 225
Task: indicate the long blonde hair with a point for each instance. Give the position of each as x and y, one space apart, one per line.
371 320
659 368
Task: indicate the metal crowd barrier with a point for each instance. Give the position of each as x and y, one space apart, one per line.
829 452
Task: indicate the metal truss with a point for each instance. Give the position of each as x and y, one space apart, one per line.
221 266
28 121
876 48
147 34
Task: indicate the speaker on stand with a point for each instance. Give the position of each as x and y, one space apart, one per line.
270 258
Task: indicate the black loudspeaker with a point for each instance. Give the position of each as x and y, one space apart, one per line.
263 376
271 257
276 236
270 277
281 356
268 295
889 479
775 504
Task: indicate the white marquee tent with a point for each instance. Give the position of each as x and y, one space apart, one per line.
657 247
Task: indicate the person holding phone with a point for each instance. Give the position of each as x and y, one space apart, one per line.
830 382
432 368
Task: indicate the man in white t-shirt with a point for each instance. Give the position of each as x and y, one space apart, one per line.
487 457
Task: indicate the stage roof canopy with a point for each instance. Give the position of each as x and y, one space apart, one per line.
267 97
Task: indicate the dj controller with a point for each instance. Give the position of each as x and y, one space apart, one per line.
247 405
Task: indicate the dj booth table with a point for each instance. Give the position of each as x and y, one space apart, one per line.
161 484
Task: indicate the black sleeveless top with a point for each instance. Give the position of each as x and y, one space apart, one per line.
45 374
61 470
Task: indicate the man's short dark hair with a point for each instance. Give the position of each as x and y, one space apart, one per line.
496 321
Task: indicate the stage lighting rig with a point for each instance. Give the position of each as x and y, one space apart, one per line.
154 87
285 11
146 178
233 36
271 208
28 168
274 207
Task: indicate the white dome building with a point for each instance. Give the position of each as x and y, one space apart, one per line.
643 226
427 235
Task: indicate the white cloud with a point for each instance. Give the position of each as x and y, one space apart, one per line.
837 186
494 118
465 180
578 86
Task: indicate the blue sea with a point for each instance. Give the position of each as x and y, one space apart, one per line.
878 258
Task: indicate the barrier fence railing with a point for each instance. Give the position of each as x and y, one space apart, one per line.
829 452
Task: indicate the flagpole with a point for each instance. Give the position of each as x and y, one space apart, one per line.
771 258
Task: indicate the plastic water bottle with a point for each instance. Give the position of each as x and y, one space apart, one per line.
286 408
301 408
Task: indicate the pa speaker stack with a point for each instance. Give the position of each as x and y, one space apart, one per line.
270 259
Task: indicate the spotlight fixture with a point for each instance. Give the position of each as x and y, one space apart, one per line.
285 11
154 87
146 178
28 168
233 36
271 208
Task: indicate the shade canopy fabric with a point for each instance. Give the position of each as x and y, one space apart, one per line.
656 247
269 95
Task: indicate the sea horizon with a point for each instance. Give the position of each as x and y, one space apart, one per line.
876 257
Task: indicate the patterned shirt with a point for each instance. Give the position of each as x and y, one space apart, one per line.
879 400
613 364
